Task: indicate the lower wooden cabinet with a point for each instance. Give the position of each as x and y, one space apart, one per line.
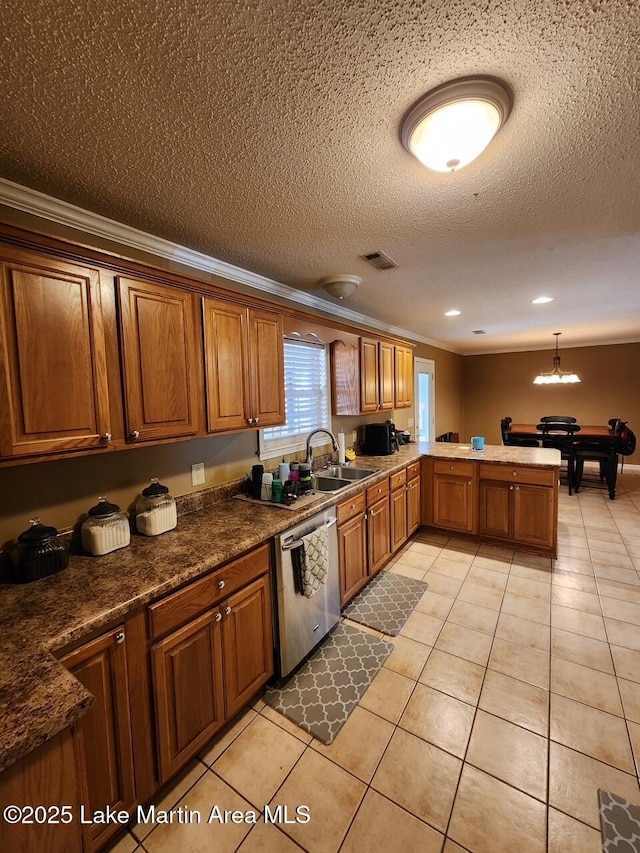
352 557
204 672
453 502
413 506
398 518
534 516
378 541
101 667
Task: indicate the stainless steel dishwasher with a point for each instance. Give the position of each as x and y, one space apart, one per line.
304 622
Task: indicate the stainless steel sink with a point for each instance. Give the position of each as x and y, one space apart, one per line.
322 483
346 473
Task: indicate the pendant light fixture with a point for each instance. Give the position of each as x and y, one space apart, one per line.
556 375
453 124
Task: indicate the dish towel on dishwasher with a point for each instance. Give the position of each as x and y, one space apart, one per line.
315 561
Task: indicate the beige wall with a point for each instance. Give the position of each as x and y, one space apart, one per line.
501 385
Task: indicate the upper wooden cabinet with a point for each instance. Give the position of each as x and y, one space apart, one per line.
244 366
160 365
53 384
403 377
375 376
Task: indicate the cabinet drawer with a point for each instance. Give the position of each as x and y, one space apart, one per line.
398 479
350 508
463 469
413 470
517 474
374 493
194 599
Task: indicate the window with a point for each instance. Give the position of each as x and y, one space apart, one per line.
306 389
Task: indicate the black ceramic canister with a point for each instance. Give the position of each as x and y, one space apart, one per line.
39 553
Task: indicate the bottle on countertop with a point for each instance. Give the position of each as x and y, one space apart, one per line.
155 510
105 530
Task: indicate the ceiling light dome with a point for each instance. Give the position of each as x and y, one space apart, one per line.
341 286
453 124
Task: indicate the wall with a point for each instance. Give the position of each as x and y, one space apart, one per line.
501 385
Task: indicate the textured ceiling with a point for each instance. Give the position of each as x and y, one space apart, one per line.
267 135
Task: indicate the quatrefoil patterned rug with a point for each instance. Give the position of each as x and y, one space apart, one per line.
322 694
619 824
386 603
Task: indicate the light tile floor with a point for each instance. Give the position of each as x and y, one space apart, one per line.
512 694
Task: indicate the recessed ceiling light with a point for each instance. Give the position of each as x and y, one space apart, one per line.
540 300
453 313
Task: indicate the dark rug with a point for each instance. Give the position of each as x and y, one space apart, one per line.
619 824
386 603
322 694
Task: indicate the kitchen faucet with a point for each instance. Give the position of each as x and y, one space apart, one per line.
310 436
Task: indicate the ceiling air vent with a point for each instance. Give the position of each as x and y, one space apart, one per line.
379 260
478 332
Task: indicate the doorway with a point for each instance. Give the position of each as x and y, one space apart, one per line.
424 382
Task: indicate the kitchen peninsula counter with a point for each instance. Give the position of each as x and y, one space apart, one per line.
39 698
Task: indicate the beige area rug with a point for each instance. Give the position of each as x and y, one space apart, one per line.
386 602
322 694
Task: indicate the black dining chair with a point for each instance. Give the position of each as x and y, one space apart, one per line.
509 441
559 435
558 419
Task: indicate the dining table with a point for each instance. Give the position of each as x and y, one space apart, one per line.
601 438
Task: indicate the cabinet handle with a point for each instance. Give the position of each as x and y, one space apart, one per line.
249 420
221 584
227 610
510 488
120 637
514 473
256 420
517 488
106 437
353 506
451 466
218 617
134 435
468 482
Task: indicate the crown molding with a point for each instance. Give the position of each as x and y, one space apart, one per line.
551 347
61 212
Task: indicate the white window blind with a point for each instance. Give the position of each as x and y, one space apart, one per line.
306 399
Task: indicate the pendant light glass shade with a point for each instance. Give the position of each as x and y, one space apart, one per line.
555 376
453 124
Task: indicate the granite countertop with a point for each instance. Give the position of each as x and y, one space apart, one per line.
39 697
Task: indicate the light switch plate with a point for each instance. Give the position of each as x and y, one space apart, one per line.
410 422
197 474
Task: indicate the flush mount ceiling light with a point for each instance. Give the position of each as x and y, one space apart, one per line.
556 375
341 286
542 300
453 124
453 313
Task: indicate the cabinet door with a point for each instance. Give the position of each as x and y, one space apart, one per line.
400 377
398 523
106 728
387 378
408 377
495 509
378 535
53 375
188 688
247 643
226 374
534 515
413 505
352 557
368 375
453 502
266 370
159 360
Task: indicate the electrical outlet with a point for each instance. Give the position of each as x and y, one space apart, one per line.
197 474
354 437
410 422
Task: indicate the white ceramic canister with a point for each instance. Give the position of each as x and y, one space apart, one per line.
155 510
105 530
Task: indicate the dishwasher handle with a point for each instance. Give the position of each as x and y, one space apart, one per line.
296 543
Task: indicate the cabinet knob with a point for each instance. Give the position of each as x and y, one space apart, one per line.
218 617
227 610
106 437
514 473
511 488
256 420
451 466
353 506
249 420
221 584
120 637
135 434
517 488
468 482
